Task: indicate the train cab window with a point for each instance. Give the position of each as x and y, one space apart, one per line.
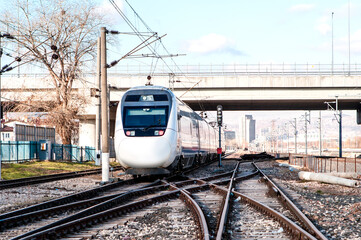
145 117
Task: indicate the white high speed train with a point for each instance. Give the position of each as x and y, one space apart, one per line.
156 133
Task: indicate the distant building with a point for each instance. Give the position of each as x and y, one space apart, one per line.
7 133
230 140
18 131
229 135
247 130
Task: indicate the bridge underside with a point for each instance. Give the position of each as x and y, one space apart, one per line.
249 105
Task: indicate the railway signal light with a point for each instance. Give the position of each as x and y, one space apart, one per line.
219 115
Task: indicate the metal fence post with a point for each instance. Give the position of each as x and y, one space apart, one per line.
81 154
355 165
337 164
17 151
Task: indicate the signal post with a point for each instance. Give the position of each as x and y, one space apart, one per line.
219 121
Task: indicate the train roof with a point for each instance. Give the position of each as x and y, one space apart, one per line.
150 88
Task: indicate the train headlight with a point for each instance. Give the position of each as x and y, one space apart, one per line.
130 133
158 132
147 98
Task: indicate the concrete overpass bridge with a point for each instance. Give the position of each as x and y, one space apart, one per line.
236 87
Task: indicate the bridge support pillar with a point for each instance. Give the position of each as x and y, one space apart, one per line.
358 114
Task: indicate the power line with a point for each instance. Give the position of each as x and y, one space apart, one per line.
152 49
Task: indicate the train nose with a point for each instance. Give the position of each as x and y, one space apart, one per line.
143 152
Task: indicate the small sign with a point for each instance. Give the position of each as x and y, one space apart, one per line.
219 150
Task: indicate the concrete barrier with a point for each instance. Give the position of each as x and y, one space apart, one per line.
322 177
345 174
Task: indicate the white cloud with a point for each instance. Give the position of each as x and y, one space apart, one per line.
323 28
355 43
323 24
107 9
302 7
212 43
341 45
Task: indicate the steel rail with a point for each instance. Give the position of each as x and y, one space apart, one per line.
71 198
197 211
77 224
121 198
47 178
225 206
296 231
89 203
40 214
291 206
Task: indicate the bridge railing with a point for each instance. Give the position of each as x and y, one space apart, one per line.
242 69
223 69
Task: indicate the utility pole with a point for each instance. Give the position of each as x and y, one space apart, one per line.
320 134
332 45
338 116
104 107
288 138
98 108
295 127
282 139
307 120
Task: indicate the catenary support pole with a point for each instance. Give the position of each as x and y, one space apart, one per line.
295 135
320 134
104 108
98 108
340 136
306 133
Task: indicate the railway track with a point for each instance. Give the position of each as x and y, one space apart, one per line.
48 178
237 202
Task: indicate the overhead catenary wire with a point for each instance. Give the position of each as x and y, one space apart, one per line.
150 47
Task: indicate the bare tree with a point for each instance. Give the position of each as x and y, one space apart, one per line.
61 35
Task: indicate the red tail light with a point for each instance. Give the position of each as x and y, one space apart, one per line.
158 132
130 133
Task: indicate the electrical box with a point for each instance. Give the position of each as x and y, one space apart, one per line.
44 149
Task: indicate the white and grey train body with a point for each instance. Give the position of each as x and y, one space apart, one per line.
156 133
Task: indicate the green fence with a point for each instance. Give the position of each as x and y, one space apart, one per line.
22 151
18 151
73 153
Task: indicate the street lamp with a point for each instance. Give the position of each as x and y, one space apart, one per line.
332 42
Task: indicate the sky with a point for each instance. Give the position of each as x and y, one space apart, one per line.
241 32
261 31
251 32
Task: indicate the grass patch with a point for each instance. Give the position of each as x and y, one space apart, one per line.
319 192
36 168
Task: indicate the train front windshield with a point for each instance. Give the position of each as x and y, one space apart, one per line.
145 117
